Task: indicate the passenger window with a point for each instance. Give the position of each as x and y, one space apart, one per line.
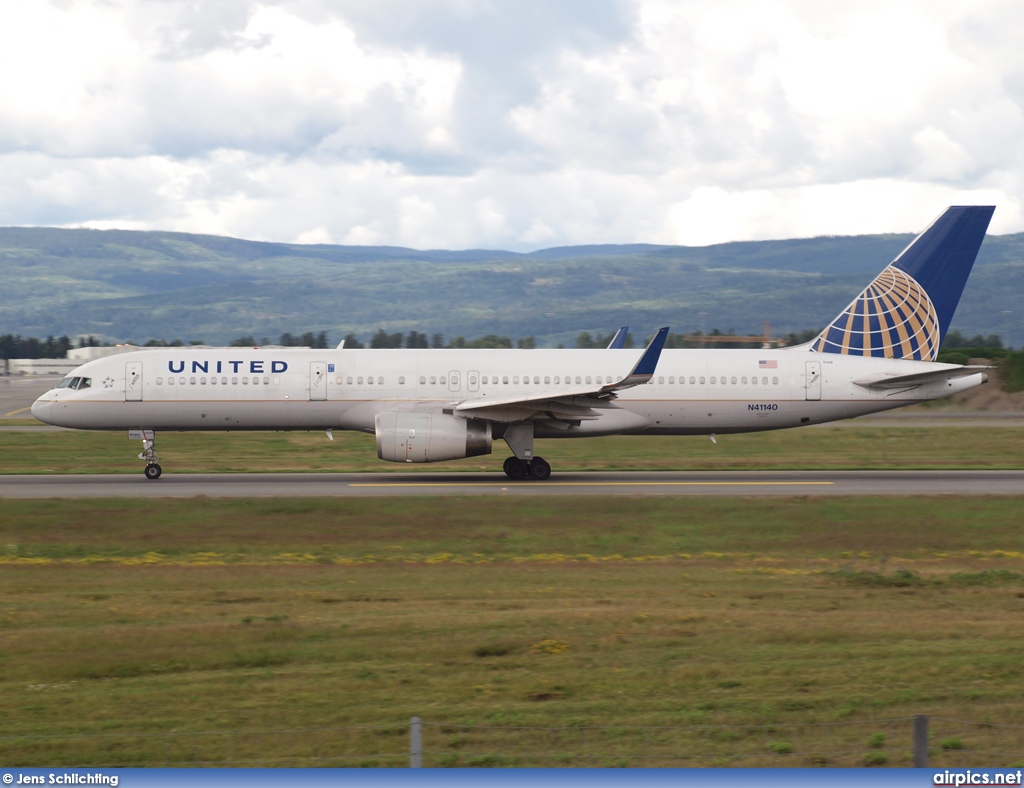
661 380
401 380
170 381
255 380
213 381
578 379
192 381
547 380
266 381
224 381
712 380
743 380
339 380
734 381
671 379
536 379
515 379
433 380
775 381
245 381
202 381
753 381
692 380
702 380
505 380
159 381
380 381
588 379
557 380
369 381
277 381
764 381
234 381
423 380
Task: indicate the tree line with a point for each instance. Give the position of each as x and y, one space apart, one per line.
17 346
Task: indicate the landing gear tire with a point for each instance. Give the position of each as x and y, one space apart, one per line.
539 469
153 471
516 469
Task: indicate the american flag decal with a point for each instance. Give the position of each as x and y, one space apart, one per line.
768 364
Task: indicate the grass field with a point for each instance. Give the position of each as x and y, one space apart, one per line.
824 448
821 619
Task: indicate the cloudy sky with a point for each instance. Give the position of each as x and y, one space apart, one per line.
515 124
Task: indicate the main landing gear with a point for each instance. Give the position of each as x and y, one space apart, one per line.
153 469
522 464
537 469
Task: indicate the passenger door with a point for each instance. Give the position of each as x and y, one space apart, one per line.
317 381
812 388
133 381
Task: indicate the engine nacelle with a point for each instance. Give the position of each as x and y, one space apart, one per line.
410 436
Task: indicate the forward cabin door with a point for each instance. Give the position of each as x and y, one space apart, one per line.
812 388
317 381
133 381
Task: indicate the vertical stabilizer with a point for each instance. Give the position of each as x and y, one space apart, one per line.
906 311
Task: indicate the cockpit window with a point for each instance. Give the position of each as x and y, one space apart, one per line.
75 383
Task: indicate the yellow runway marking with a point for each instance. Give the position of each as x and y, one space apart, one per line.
594 484
20 410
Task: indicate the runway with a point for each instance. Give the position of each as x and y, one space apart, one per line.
732 483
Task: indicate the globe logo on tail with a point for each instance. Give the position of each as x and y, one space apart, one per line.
892 318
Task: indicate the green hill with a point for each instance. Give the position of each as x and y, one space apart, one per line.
134 286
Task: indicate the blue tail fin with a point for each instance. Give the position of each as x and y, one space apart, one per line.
906 311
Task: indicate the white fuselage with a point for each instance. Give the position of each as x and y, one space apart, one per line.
692 391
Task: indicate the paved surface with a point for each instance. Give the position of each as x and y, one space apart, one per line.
738 483
17 393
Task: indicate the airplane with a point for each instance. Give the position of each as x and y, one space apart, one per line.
436 405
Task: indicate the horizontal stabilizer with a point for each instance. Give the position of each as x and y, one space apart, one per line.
920 378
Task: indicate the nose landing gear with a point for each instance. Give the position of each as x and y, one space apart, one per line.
153 469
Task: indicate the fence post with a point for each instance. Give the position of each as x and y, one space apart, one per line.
920 741
415 743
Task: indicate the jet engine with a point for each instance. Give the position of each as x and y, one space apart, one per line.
410 436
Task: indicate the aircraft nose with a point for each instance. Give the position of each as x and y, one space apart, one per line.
41 408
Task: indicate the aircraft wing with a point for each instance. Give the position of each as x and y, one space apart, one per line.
576 402
919 378
619 340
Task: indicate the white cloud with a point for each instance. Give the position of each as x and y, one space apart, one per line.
520 124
